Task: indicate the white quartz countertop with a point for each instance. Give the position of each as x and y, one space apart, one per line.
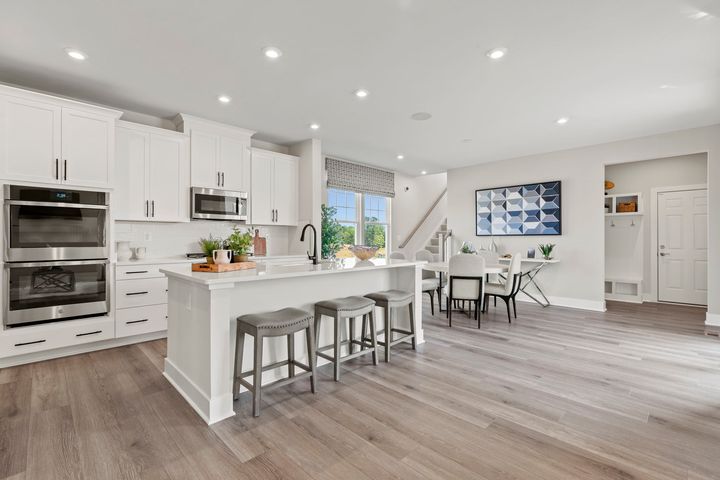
276 271
182 259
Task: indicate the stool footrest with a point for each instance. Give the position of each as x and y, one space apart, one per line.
350 356
275 365
402 339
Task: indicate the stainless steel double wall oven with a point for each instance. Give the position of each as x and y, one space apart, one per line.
56 254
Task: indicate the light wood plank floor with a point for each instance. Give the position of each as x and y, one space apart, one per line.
559 394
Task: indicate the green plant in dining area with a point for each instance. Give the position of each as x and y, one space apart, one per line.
546 250
239 242
207 245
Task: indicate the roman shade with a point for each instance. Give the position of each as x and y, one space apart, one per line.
359 178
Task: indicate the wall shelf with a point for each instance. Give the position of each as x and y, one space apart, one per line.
613 201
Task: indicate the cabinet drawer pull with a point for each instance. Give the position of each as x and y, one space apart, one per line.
136 293
88 333
136 321
29 343
136 271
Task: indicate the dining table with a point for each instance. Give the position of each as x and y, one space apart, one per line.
443 268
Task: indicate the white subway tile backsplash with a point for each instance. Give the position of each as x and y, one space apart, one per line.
170 239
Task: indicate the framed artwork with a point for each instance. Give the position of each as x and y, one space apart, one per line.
532 209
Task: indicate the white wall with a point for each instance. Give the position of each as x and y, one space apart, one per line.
642 177
413 197
578 279
171 239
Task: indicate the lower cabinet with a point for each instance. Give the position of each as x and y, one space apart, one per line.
140 300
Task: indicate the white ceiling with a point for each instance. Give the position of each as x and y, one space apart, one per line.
599 62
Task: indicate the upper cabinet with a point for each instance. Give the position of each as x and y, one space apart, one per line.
274 196
219 154
152 175
44 139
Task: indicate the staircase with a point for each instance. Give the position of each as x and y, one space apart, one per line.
433 245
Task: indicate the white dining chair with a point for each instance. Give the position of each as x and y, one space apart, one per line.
466 282
430 282
508 290
397 256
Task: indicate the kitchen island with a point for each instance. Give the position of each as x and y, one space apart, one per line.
202 308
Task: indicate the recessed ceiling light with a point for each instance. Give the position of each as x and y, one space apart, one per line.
361 93
466 140
423 172
421 116
272 52
666 86
400 157
699 15
314 126
496 53
224 99
562 120
76 54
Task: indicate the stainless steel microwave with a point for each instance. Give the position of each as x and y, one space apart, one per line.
216 204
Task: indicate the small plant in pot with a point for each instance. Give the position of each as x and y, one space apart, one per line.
239 242
546 249
207 245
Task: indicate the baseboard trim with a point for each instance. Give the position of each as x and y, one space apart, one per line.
712 320
78 349
577 303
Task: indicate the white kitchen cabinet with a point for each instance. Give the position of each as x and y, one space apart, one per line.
274 193
152 174
219 154
45 139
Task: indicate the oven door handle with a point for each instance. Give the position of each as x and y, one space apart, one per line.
55 204
57 263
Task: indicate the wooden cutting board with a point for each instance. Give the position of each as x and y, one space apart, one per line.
222 267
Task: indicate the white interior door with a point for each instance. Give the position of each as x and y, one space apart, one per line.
682 247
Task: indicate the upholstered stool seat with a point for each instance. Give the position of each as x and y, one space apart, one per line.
285 322
340 309
390 301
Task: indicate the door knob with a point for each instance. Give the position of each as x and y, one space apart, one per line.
662 254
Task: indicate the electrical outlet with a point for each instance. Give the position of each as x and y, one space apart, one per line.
147 237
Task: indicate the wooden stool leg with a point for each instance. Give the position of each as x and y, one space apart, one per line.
336 362
351 335
388 333
318 320
310 339
412 324
239 344
257 374
373 336
291 354
362 332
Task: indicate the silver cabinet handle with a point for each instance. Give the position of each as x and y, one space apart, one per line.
153 208
88 333
136 321
147 208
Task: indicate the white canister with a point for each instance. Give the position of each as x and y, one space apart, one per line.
222 257
123 251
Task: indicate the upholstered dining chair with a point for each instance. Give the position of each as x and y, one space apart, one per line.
466 282
510 288
430 282
397 256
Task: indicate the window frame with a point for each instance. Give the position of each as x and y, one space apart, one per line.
360 222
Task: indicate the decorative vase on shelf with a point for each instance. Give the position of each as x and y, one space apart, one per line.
123 251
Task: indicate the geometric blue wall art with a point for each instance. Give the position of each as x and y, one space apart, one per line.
532 209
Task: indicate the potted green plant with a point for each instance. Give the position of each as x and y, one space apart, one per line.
467 247
239 242
207 245
546 250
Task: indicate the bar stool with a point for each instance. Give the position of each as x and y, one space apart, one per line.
286 322
391 300
340 309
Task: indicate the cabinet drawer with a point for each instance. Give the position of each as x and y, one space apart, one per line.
131 272
139 320
38 338
138 293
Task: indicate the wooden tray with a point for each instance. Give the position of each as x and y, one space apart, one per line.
220 268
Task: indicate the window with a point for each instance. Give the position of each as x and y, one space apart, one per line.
364 219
